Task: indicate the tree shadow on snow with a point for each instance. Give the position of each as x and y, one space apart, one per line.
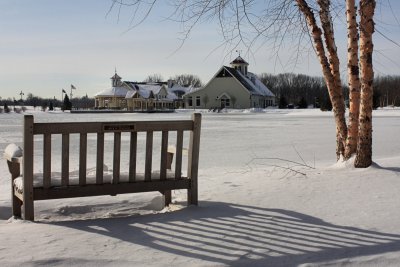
238 235
393 169
5 213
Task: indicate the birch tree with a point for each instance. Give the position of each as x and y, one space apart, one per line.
353 78
243 22
367 27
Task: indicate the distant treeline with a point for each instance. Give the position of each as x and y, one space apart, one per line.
297 90
291 90
387 90
84 102
300 90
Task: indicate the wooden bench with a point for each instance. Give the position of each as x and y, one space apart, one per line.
27 188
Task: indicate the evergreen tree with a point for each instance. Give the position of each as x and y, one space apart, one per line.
283 102
376 97
326 104
6 108
44 106
303 103
67 105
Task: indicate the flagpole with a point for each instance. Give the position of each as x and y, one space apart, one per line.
72 88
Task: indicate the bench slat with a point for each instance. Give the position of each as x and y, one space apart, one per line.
178 157
133 157
82 158
100 158
164 151
65 160
46 160
110 189
149 156
97 127
117 157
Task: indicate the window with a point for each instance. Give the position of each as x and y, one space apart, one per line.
190 101
198 101
225 102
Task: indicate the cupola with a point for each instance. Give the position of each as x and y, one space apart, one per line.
116 80
240 64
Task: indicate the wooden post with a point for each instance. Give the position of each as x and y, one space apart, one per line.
28 168
193 164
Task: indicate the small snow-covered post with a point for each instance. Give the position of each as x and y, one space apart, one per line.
13 155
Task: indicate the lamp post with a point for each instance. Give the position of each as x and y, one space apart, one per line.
21 94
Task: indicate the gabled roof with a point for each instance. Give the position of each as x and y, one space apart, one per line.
114 91
148 90
250 82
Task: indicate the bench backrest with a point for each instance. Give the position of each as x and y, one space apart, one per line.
132 128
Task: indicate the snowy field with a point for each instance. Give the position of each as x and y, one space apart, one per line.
270 194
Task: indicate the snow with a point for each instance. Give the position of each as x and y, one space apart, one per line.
271 194
258 85
114 91
13 151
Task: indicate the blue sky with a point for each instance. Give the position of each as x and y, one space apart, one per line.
47 45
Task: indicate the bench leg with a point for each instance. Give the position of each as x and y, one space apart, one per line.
28 209
192 197
16 206
167 198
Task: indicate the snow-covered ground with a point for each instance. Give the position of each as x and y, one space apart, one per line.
270 194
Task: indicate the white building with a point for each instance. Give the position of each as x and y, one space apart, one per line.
140 95
231 87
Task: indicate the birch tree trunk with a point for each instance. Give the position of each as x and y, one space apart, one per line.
330 68
364 146
353 78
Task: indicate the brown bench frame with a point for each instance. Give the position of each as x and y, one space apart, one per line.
163 185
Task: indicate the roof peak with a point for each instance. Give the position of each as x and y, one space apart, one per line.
239 60
115 76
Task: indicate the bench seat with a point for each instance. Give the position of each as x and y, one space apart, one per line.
90 179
